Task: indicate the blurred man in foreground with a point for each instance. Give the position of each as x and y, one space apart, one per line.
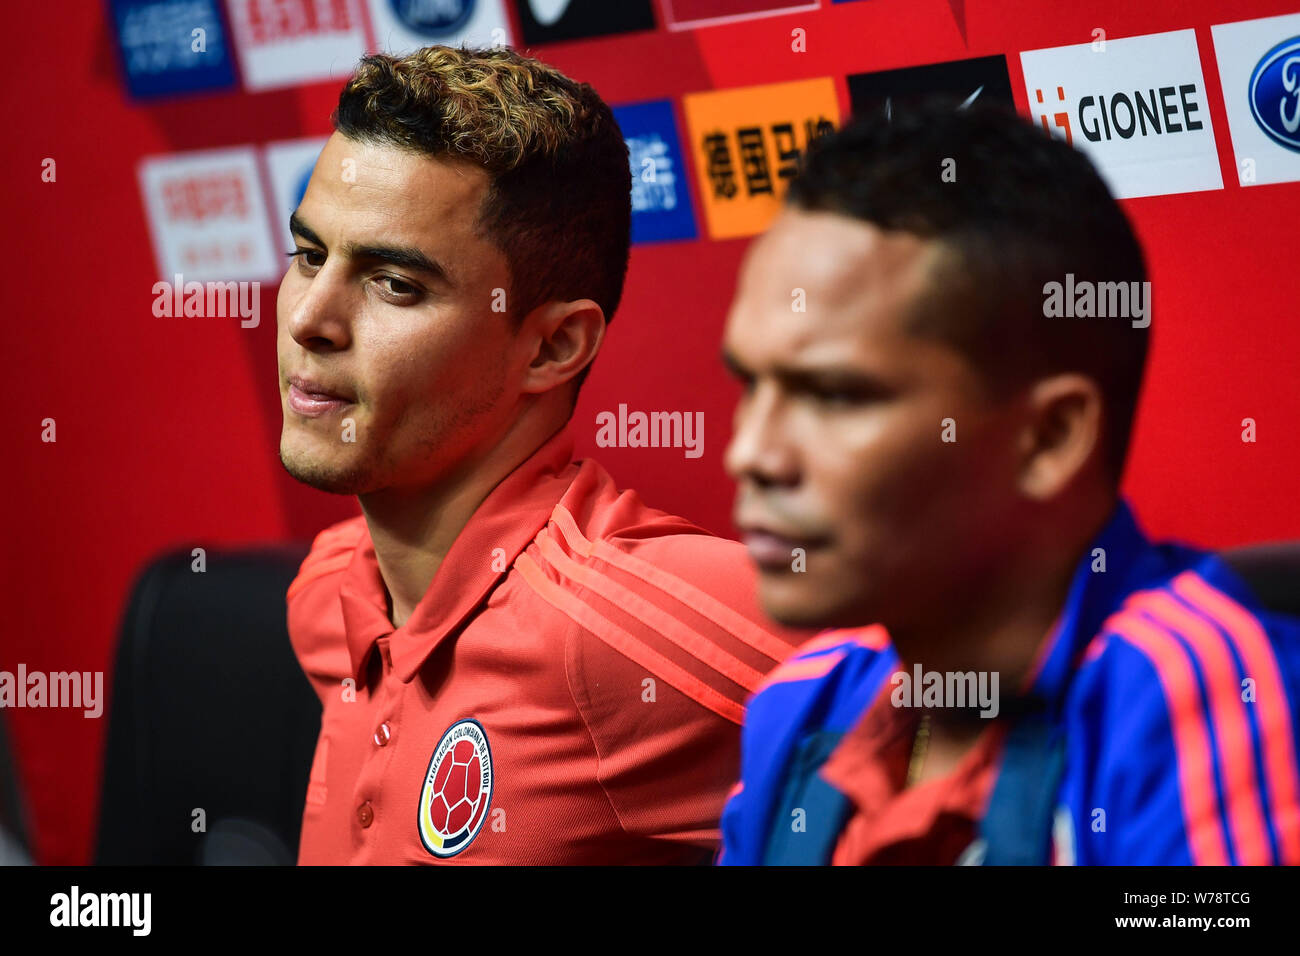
935 446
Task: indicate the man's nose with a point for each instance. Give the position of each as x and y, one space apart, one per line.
318 316
761 449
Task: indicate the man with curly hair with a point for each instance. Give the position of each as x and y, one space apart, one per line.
517 662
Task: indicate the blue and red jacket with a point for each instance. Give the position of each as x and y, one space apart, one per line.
1162 730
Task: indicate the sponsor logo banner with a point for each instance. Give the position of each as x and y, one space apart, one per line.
207 215
553 21
1136 106
689 14
172 46
747 145
287 42
405 25
1259 67
661 208
290 166
976 80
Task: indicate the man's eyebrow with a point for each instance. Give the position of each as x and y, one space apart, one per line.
406 257
733 365
834 377
811 378
299 228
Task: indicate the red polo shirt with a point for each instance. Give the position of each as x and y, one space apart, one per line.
569 690
932 823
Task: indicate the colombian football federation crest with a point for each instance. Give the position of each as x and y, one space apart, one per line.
457 789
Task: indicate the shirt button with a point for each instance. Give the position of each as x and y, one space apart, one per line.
365 815
383 735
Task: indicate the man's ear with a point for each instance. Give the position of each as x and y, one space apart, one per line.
1062 434
564 338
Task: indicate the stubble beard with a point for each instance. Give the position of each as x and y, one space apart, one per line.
352 479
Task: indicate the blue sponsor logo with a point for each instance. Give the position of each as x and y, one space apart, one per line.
1275 94
661 204
172 46
435 19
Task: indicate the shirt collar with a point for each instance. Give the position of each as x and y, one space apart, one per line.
870 765
858 767
509 518
1093 596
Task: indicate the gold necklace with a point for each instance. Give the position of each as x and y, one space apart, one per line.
919 745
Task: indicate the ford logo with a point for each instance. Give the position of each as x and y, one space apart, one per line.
1275 94
435 19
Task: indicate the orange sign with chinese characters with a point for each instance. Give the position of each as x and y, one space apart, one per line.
747 145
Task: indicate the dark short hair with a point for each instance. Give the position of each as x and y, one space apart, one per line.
560 202
1023 210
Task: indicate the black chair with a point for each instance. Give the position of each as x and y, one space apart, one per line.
1272 571
15 847
209 711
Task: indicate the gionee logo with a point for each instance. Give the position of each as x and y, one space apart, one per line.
1164 110
1061 119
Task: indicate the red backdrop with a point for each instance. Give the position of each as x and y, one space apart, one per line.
167 431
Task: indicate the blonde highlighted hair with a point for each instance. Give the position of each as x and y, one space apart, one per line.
559 205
